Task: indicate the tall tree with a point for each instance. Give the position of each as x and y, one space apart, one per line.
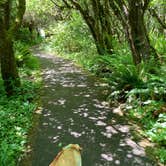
131 13
96 14
11 14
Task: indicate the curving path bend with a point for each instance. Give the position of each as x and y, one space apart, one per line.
74 111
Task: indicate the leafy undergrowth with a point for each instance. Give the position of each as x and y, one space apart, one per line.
72 40
16 114
141 89
27 38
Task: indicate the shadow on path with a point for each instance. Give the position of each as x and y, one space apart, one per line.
74 111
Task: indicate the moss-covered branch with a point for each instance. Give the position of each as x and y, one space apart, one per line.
19 16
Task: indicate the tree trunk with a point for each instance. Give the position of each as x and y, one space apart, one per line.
101 37
8 67
94 15
10 20
140 44
102 26
131 15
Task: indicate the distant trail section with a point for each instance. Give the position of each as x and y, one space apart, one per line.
74 111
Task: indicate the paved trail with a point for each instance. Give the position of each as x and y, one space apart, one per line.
73 111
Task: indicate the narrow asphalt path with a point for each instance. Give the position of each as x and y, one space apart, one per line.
74 111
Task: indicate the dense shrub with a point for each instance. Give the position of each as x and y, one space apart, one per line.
16 119
71 37
24 57
28 38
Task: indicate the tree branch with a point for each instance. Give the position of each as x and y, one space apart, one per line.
60 7
19 16
155 15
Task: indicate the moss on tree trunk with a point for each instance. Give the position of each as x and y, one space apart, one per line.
8 67
9 24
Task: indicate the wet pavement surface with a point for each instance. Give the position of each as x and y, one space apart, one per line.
74 111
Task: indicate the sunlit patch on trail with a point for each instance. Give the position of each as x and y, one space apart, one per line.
122 128
100 123
107 157
75 134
